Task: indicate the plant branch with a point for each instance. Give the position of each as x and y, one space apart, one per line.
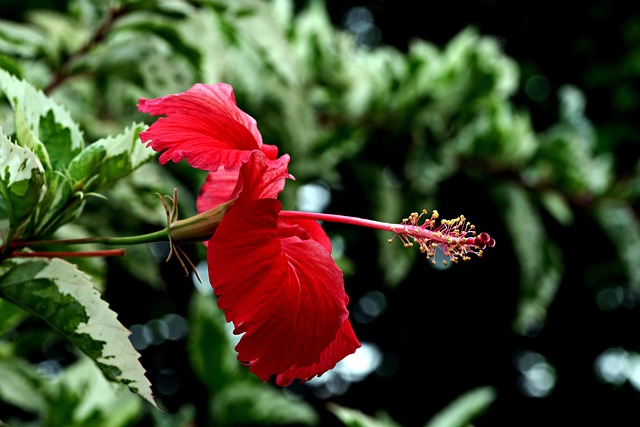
99 35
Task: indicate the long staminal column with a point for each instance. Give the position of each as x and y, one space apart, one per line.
457 237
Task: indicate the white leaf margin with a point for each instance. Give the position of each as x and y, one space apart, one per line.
102 326
16 162
19 164
34 104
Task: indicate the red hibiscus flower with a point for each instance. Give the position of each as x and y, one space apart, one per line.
271 269
274 277
277 282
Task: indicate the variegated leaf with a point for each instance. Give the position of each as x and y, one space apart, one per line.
109 159
66 299
40 121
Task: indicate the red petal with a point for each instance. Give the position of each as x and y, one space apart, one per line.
286 296
258 178
204 126
344 344
217 189
261 178
304 229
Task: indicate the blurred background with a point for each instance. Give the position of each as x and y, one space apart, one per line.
522 117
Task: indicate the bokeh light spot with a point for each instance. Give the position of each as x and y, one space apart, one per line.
314 197
612 366
537 88
140 337
155 332
202 285
615 297
370 306
616 366
359 22
167 382
177 326
159 331
353 368
538 377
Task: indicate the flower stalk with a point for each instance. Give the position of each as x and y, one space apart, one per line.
156 236
15 248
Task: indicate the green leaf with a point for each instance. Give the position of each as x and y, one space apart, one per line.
96 167
212 356
65 298
240 397
83 397
22 182
539 259
64 33
47 121
10 316
26 138
464 409
500 134
254 403
185 416
568 156
557 205
354 418
108 160
19 39
21 386
388 206
621 224
166 28
100 165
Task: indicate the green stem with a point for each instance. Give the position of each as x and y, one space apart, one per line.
65 254
156 236
54 221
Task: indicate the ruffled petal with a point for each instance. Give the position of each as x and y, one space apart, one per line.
285 296
258 178
261 178
204 126
345 344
